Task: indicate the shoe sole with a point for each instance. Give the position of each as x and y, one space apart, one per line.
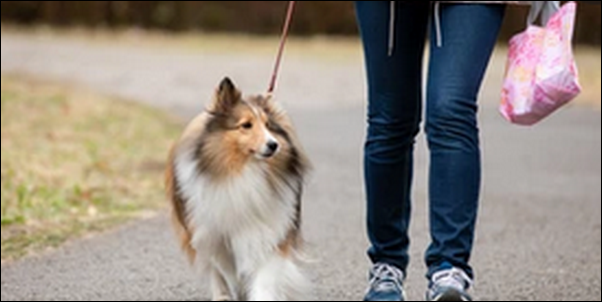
402 299
451 295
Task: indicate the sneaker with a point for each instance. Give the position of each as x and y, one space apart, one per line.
386 284
449 285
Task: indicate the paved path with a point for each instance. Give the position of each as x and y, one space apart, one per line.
539 234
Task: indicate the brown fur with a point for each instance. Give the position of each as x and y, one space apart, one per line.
178 217
221 128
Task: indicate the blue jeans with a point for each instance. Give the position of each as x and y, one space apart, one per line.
456 69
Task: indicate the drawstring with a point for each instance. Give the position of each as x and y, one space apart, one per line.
391 28
437 16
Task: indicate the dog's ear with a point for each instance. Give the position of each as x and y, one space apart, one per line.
265 101
227 96
268 98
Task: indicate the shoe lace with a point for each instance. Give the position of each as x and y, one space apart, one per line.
386 277
454 278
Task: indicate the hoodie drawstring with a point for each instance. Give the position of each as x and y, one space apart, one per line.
437 17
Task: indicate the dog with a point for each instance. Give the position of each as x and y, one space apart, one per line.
235 180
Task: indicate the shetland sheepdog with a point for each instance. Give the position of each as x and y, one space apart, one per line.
235 180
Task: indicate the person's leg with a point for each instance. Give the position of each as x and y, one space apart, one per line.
394 96
457 66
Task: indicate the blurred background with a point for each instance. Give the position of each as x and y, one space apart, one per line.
95 92
260 17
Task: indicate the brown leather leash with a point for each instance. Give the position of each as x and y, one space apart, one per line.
284 36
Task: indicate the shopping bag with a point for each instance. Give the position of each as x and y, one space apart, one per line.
541 74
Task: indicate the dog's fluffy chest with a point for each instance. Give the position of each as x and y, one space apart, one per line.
237 205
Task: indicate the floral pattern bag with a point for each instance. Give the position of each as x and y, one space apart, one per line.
541 74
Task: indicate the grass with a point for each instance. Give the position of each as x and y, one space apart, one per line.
590 70
74 162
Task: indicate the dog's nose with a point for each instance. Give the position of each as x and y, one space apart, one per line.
272 146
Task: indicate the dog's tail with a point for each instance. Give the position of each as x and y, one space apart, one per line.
178 212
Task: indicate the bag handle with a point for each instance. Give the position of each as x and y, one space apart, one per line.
545 9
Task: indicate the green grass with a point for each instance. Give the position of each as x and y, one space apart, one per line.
74 163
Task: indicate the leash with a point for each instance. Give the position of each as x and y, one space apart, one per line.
285 29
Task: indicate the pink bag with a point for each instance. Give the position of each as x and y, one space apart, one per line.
541 74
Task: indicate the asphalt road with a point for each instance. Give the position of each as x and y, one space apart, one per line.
539 229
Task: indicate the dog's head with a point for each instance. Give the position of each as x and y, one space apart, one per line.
248 127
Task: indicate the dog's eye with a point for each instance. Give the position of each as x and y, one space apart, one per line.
247 125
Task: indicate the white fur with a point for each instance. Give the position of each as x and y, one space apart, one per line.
237 225
279 279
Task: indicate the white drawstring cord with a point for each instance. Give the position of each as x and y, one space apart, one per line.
438 30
